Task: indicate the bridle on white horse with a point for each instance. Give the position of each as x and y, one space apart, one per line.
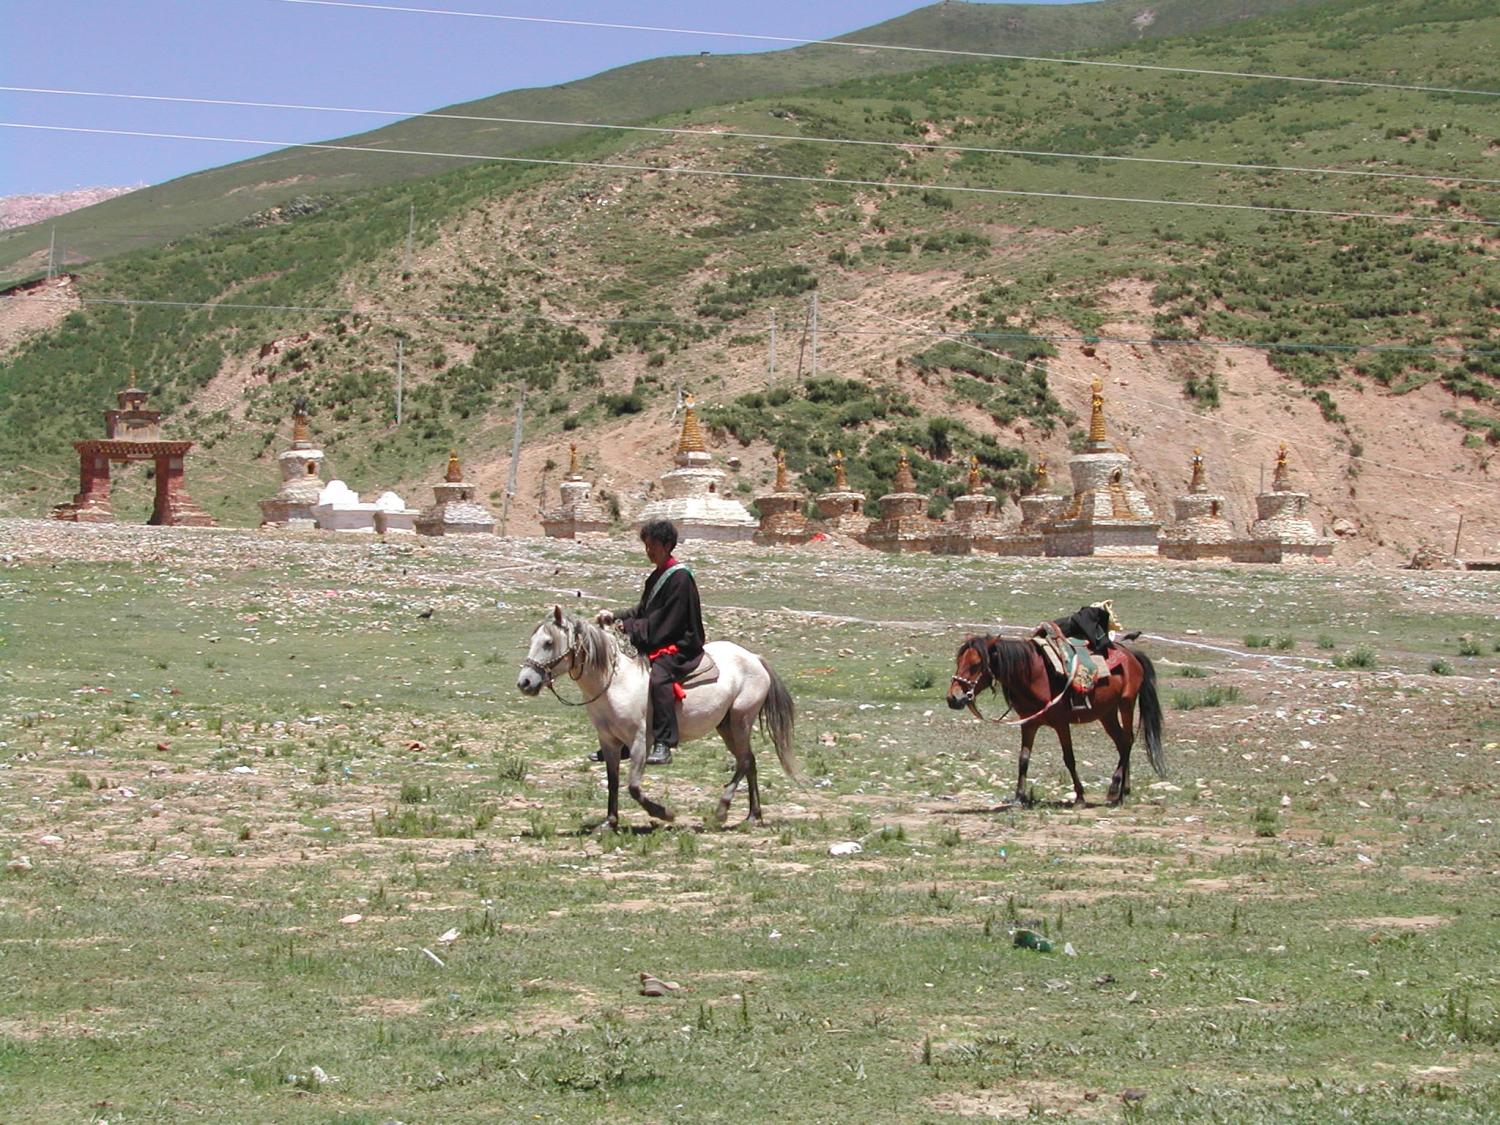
574 655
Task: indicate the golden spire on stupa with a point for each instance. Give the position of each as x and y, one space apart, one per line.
691 440
1097 435
840 477
781 485
974 482
1197 483
1043 477
301 435
1281 480
904 481
455 473
573 460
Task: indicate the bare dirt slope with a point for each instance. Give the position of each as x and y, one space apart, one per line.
37 307
1393 474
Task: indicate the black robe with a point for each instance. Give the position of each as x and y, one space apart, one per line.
1091 623
674 618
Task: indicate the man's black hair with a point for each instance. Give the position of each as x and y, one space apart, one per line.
660 531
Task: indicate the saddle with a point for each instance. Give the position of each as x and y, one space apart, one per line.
707 672
1070 658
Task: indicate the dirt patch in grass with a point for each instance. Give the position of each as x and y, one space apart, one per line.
532 1022
1394 922
390 1008
67 1025
1022 1100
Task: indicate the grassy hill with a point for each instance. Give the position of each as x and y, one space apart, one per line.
602 293
636 93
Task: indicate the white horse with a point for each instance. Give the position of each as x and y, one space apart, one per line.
614 679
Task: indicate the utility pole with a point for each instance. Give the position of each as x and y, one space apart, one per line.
814 374
802 344
411 226
1459 534
400 379
515 460
771 364
52 254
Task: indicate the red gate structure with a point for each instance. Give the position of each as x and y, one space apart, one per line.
132 433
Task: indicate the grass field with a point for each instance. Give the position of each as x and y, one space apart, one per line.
276 820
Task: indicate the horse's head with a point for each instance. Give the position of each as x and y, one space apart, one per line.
971 675
554 645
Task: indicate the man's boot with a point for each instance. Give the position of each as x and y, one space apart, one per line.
660 755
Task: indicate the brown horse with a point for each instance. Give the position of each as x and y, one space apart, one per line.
1018 670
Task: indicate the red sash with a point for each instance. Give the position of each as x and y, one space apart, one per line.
670 650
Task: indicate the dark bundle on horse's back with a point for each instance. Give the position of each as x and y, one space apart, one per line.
1092 623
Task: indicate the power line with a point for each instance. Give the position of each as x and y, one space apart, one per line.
851 44
775 177
956 335
972 150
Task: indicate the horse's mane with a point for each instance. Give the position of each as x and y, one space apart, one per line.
599 646
1009 662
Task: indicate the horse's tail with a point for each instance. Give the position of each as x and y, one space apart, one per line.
1149 723
778 716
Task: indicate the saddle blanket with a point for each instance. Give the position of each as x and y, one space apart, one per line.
1070 658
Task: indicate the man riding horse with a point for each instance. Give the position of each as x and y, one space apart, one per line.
666 627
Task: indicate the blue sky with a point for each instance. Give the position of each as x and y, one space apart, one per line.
278 51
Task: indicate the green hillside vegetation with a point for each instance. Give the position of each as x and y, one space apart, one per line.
635 93
603 292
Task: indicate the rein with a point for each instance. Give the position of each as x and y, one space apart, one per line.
971 689
572 656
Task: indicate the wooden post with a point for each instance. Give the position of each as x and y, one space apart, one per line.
1458 534
400 379
411 224
814 334
515 461
771 361
802 345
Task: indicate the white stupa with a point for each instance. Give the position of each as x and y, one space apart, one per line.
301 479
1108 514
690 495
340 509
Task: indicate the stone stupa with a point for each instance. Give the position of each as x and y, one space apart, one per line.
841 508
1108 514
454 510
976 523
691 496
1201 529
301 478
903 524
579 514
1039 507
782 520
1282 531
